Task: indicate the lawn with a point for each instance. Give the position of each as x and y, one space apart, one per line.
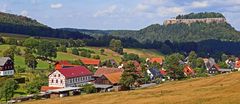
19 60
220 89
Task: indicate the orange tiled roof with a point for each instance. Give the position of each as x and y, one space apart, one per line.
237 64
88 61
114 78
102 71
156 59
61 63
188 70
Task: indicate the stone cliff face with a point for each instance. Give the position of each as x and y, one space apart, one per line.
189 21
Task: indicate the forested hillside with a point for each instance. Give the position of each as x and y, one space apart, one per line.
183 32
10 23
200 15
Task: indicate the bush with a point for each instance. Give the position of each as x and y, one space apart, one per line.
89 88
75 51
62 49
96 57
85 54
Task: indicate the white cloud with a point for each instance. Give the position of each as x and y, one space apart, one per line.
24 13
171 11
141 7
108 11
199 4
56 6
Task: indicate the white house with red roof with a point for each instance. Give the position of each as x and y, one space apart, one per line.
70 77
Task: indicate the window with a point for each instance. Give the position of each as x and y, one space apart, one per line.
52 80
58 75
55 75
61 81
56 81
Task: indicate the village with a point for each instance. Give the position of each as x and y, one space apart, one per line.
69 79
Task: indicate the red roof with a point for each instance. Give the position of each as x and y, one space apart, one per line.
87 61
237 64
163 72
61 64
46 88
102 71
76 71
188 70
157 60
216 65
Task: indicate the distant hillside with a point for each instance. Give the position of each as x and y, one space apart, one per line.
181 32
89 32
10 23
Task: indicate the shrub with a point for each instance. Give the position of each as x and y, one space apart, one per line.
89 88
75 51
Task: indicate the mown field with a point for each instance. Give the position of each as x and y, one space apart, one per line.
220 89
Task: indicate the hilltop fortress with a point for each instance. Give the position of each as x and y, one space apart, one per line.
189 21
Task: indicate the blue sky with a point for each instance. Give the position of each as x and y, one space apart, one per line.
116 14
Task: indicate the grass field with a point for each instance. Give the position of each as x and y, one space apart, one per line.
146 53
108 54
220 89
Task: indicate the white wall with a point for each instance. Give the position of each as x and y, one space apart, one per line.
6 72
54 80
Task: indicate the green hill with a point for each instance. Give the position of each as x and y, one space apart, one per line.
181 32
10 23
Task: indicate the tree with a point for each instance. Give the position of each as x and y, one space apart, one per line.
192 58
89 88
85 54
116 45
96 57
31 43
8 88
173 66
1 40
46 49
102 51
75 51
35 85
62 48
224 57
30 61
11 41
10 52
129 77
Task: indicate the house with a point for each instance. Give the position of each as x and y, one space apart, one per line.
209 62
154 73
188 71
215 69
70 77
88 62
109 78
237 65
157 60
103 70
6 66
63 64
